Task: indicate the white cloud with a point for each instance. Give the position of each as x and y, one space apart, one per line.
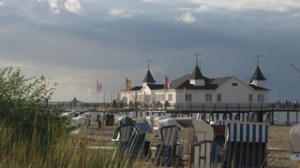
73 6
203 8
187 18
151 1
121 12
270 5
54 6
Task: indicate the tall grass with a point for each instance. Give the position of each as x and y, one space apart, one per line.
66 151
34 135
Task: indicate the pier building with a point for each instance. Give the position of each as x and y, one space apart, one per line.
196 89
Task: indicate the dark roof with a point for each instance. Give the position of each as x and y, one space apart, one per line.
156 86
149 78
197 74
136 88
257 87
151 86
184 82
220 81
178 82
258 75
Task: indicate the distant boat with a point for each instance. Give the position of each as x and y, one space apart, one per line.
295 142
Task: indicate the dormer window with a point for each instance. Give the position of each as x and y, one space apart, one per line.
234 84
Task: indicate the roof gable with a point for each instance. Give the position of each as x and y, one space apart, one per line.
231 80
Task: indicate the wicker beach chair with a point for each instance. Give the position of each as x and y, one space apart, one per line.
202 147
165 150
245 145
126 135
132 139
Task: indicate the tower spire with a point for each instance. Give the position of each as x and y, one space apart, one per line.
148 63
197 56
257 58
148 78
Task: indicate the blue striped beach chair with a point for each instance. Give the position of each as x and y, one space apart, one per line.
132 138
126 133
139 143
166 149
246 145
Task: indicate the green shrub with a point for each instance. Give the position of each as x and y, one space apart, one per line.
24 111
34 135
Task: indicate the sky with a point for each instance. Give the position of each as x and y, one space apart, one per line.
74 43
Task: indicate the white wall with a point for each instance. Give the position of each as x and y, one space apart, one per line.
237 93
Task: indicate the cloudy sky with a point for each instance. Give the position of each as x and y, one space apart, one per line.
76 42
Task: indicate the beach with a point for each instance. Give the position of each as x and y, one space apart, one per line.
280 148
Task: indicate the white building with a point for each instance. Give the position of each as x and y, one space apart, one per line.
196 89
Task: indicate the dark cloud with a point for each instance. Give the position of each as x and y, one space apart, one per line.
120 46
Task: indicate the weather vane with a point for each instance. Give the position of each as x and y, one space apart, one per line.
148 63
197 55
257 58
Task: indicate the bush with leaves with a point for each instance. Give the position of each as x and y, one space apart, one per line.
24 111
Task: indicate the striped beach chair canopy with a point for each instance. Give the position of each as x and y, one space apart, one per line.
247 132
142 128
169 134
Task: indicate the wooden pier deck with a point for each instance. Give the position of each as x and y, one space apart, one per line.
263 112
206 107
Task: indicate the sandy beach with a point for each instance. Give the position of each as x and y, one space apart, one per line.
280 148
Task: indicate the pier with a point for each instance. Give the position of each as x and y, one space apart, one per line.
260 112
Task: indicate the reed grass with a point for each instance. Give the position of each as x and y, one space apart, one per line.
34 135
67 151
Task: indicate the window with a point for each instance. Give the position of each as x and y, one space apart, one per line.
188 97
219 97
250 97
159 97
170 97
234 84
208 97
260 98
140 97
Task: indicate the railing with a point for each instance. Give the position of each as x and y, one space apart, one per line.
220 107
235 107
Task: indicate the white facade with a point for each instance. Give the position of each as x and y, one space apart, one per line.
197 91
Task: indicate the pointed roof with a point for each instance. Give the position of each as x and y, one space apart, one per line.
197 73
258 75
149 78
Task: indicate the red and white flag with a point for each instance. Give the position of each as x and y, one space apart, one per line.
166 83
98 86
